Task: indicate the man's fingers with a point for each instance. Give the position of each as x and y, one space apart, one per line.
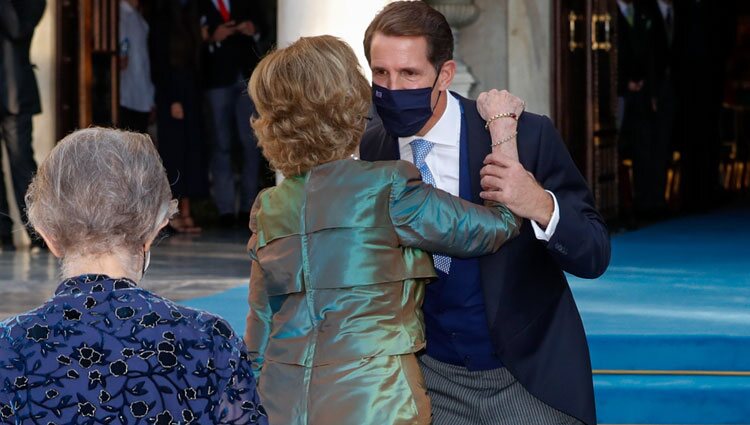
492 170
499 159
491 183
492 195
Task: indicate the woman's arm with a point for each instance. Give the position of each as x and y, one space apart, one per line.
428 218
259 316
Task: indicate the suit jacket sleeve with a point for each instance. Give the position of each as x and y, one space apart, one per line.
9 25
428 218
18 18
580 243
259 316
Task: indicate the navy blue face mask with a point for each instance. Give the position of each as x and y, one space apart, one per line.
403 112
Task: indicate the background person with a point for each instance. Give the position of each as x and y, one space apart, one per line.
19 102
231 53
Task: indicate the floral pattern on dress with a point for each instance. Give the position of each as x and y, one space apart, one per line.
104 351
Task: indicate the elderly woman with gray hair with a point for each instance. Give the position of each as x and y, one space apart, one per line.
103 350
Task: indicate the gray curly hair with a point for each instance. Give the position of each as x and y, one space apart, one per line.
101 191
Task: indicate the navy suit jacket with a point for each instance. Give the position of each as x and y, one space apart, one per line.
534 322
238 54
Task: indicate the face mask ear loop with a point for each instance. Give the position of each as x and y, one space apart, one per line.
146 261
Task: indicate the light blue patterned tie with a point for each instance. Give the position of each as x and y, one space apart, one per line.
419 150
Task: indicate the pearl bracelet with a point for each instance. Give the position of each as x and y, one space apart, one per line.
503 115
506 139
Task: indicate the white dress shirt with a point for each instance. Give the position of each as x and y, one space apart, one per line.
227 4
444 159
627 10
136 88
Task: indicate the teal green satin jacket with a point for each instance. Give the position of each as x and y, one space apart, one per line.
340 259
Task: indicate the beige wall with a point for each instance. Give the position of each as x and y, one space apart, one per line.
43 55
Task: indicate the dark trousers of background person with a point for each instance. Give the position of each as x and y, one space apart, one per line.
16 135
133 120
637 143
181 142
663 144
231 109
700 159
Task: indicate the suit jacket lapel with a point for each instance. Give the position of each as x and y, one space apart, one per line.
477 144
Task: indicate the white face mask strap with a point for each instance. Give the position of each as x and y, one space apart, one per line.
146 261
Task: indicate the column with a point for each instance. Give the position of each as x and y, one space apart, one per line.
458 13
346 19
529 54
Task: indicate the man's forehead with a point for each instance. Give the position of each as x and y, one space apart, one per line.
401 49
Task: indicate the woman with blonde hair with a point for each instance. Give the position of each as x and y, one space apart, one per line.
339 259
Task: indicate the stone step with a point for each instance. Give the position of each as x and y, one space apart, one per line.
673 399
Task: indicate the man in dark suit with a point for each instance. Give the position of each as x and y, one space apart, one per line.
704 34
660 40
233 30
19 101
505 342
637 101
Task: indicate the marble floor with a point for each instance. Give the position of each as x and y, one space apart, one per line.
182 267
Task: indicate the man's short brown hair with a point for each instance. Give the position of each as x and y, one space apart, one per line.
414 18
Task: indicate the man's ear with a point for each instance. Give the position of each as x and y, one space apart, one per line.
447 72
51 244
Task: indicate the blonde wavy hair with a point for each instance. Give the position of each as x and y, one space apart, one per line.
312 102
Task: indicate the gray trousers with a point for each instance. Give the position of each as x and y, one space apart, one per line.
489 397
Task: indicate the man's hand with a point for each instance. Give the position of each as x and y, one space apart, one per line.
246 27
176 111
496 102
505 180
635 86
223 31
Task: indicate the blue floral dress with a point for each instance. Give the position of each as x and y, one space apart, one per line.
103 350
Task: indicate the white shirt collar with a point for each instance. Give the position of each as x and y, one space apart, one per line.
664 7
227 4
124 4
447 131
624 7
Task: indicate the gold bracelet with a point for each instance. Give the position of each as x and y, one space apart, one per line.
503 115
506 139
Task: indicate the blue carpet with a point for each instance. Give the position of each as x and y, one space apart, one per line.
676 297
231 305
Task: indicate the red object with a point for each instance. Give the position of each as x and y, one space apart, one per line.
223 10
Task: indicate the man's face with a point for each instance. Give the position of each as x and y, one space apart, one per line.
400 62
